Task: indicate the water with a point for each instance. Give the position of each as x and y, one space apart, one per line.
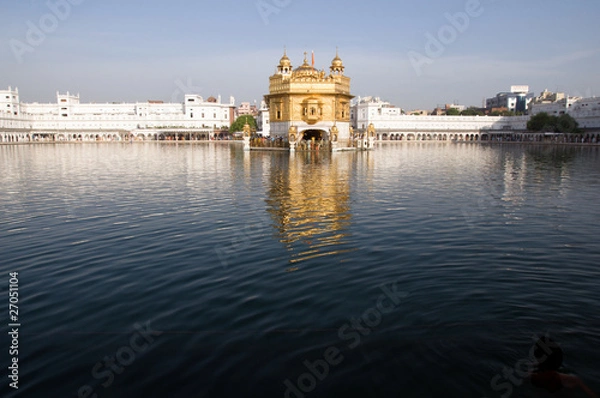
246 270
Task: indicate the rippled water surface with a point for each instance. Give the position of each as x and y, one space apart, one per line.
158 270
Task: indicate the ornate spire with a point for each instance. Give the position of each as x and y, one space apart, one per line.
285 65
337 66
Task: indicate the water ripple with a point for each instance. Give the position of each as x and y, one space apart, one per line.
252 264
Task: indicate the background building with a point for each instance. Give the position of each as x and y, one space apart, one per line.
372 110
516 100
262 121
9 102
551 103
246 109
68 118
391 122
585 110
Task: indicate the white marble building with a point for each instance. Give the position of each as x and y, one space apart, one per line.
69 119
585 110
263 121
391 123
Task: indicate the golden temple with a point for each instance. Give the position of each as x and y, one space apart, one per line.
308 107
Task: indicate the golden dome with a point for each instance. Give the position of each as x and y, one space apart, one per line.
337 62
285 61
304 67
305 70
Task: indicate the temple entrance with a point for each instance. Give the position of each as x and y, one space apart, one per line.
314 140
318 135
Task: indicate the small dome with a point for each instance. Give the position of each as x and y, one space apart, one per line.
337 62
211 99
285 62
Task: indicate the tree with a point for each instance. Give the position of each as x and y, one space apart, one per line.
566 124
239 123
556 124
503 113
541 122
453 112
472 111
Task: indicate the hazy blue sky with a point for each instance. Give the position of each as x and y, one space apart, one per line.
138 50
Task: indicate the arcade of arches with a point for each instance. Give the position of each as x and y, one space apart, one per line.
485 136
108 137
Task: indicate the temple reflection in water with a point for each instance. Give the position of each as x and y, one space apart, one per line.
309 201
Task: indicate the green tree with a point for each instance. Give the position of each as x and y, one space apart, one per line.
472 111
556 124
542 122
566 124
239 123
453 112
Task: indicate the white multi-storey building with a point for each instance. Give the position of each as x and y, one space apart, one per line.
558 107
69 119
585 110
373 110
392 123
263 121
9 102
585 107
516 100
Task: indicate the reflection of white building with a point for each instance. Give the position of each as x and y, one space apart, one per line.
68 115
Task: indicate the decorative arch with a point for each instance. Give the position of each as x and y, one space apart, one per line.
318 134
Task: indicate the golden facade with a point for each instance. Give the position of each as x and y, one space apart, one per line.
306 100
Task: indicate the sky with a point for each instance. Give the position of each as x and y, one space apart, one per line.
414 54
